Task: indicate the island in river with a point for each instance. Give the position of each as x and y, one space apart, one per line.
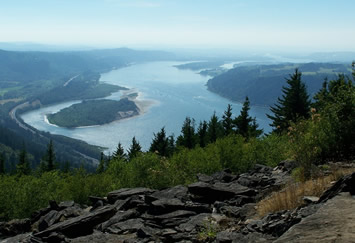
94 112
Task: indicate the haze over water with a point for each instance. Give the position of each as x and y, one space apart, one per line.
177 94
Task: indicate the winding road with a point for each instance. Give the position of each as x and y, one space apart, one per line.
23 125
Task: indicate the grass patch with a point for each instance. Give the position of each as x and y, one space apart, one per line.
291 196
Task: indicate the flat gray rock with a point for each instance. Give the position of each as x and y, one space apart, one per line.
127 192
333 222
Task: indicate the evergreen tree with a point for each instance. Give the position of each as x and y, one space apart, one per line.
13 163
23 166
202 134
101 166
48 161
188 137
134 149
215 129
254 130
245 124
2 164
119 153
292 106
321 95
50 156
227 121
160 143
171 145
336 104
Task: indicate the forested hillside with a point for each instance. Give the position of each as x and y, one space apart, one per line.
263 83
43 78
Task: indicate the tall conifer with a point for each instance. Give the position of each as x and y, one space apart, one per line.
293 105
134 149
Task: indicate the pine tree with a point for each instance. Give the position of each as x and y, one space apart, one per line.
243 120
215 129
160 143
2 164
48 160
246 125
50 156
188 137
202 134
292 106
23 166
171 145
227 121
119 154
135 149
101 166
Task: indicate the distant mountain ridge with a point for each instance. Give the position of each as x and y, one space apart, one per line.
263 83
30 65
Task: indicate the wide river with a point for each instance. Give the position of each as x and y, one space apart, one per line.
173 95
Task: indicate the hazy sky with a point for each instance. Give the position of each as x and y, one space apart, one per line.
301 24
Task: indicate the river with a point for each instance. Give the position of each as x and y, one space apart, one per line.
172 94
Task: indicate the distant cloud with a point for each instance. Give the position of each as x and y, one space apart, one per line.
135 4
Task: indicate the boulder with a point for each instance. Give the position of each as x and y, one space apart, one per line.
136 202
94 200
162 206
125 227
148 232
230 211
288 165
49 219
55 237
100 237
204 178
194 223
126 193
218 192
170 220
310 199
224 176
71 212
15 227
334 221
18 238
38 214
197 207
66 204
179 192
274 224
118 217
82 225
345 184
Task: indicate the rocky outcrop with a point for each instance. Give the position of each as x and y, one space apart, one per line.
333 222
217 208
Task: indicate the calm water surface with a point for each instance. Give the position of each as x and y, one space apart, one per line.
176 94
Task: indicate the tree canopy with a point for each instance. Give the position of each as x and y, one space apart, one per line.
245 124
293 105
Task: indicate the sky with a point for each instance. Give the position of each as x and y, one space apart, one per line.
317 25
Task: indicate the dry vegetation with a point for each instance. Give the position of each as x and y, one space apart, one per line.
291 196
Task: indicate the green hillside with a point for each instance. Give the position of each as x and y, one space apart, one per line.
263 83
